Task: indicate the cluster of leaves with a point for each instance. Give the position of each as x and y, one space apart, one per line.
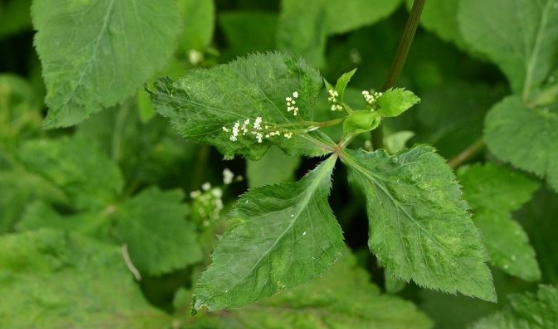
95 229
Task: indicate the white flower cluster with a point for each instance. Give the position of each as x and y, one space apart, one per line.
335 106
291 102
241 130
210 202
371 97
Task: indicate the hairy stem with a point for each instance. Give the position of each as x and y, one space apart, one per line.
467 154
399 61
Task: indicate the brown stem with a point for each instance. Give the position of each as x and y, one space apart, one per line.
467 154
399 61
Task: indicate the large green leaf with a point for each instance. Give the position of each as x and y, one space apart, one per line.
198 20
440 17
493 193
525 137
90 179
526 311
203 102
419 226
96 54
153 225
249 31
304 25
287 235
52 280
521 37
343 299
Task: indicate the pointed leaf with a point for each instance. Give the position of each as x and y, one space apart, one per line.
287 235
394 102
526 311
343 299
534 132
96 54
419 226
203 103
521 37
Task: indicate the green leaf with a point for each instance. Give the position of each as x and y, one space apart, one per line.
302 30
493 193
394 102
287 235
419 225
249 31
361 121
534 136
153 225
304 25
521 37
348 15
20 116
342 83
89 178
274 167
440 17
198 20
203 102
49 279
343 298
96 54
526 311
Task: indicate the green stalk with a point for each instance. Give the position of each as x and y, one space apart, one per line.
399 61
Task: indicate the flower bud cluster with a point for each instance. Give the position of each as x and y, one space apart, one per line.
371 97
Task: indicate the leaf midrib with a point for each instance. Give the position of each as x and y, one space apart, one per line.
305 201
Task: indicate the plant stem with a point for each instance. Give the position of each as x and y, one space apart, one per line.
399 61
467 154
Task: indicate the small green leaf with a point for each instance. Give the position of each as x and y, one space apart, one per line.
343 298
89 178
394 102
361 121
518 36
419 226
526 311
50 279
287 235
342 83
525 137
204 103
96 54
